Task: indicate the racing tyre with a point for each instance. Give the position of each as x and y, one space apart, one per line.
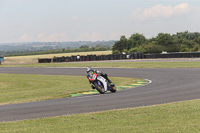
113 89
99 88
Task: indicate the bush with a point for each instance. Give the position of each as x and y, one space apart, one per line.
116 52
152 48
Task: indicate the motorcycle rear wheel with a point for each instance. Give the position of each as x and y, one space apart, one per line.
100 89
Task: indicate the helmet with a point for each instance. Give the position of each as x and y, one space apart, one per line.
89 69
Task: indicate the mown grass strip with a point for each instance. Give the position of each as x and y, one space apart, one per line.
138 83
19 88
168 118
188 64
134 85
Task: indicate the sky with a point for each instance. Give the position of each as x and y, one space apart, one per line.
94 20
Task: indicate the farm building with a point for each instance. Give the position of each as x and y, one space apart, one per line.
1 59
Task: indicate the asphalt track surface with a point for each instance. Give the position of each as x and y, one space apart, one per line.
168 85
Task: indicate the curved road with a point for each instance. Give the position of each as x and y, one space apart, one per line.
168 85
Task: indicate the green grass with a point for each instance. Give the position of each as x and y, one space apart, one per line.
169 118
18 88
188 64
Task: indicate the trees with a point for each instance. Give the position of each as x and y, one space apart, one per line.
164 39
84 47
120 45
179 42
124 44
153 48
136 40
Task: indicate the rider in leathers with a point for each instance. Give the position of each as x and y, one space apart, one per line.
90 73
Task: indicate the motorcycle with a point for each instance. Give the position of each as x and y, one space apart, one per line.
101 84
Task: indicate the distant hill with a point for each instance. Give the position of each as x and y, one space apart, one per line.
42 46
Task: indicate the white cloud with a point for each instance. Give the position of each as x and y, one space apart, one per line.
52 37
90 37
74 19
41 36
160 11
116 35
58 37
25 38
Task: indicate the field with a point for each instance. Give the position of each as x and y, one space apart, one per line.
33 59
19 88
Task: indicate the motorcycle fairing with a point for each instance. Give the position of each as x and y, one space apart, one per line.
103 80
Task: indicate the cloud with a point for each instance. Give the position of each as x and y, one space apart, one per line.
79 19
25 38
41 36
90 20
159 11
60 37
52 37
90 37
74 19
116 35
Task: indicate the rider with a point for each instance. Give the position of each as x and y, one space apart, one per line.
91 71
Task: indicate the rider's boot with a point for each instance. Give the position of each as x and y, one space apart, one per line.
111 84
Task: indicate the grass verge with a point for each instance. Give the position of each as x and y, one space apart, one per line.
33 59
168 118
18 88
188 64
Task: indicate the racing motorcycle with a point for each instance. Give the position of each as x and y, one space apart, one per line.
101 84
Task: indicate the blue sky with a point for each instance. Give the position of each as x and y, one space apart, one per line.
94 20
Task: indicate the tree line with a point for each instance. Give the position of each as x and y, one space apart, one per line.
179 42
83 48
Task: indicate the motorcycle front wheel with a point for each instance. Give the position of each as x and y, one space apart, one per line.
99 87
